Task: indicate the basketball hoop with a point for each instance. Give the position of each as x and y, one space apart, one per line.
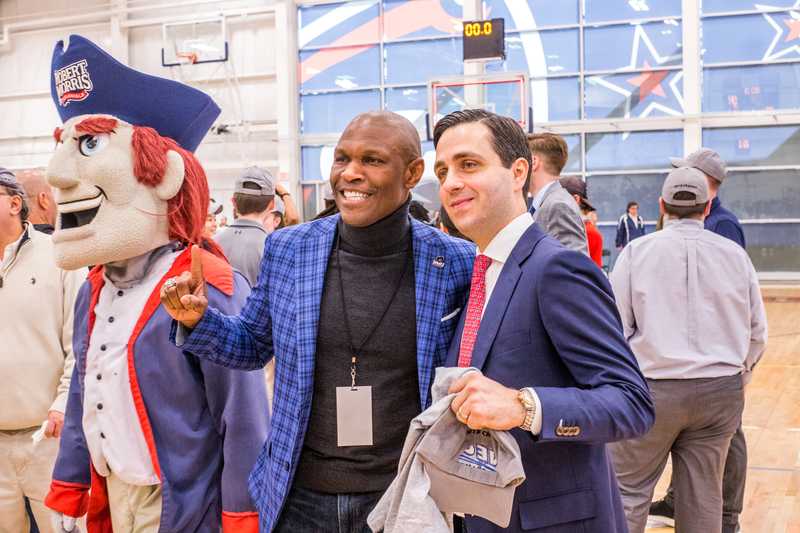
503 93
194 42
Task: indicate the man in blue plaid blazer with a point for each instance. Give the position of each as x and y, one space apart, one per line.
303 481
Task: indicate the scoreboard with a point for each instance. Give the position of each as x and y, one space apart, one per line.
484 40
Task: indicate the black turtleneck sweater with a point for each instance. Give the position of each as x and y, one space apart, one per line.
372 260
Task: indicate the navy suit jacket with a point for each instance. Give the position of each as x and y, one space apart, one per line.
551 323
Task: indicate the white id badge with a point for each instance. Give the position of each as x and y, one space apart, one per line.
354 416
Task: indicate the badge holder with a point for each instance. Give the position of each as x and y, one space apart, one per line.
354 413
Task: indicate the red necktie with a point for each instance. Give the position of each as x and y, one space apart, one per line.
477 297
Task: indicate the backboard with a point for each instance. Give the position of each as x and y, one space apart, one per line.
505 94
189 43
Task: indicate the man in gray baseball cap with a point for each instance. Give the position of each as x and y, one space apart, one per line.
719 220
722 222
696 329
253 202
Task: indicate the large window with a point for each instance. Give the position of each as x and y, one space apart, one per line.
751 58
628 167
614 60
369 54
751 62
599 72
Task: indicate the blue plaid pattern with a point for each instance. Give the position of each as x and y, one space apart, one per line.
281 316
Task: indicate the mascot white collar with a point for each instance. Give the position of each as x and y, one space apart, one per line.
125 178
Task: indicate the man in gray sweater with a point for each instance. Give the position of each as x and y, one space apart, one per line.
36 361
553 208
243 241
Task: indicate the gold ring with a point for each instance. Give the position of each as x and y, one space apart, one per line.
170 283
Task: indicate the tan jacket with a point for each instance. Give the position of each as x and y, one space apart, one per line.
36 307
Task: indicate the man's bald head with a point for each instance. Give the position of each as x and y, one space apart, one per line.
376 163
405 135
41 203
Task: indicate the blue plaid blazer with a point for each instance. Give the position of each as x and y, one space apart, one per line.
281 316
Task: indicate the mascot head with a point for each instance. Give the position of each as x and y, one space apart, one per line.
125 177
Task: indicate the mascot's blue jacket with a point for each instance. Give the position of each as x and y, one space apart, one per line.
204 424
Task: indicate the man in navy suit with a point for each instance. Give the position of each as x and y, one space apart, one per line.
542 326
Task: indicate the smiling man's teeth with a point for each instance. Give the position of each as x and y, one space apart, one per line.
353 195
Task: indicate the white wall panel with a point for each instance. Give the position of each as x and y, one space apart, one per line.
28 116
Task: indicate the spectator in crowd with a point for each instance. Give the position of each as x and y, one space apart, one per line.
419 212
541 325
42 209
36 301
577 188
327 195
243 241
720 220
593 236
290 215
277 215
692 312
375 295
724 223
260 211
552 207
630 226
210 228
328 211
330 204
42 212
447 226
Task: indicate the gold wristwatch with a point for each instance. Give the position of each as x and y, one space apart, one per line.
526 399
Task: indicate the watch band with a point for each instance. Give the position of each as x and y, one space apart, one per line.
526 398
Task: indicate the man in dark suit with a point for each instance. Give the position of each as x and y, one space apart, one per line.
542 326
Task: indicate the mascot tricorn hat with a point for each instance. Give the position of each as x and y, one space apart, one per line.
125 176
88 81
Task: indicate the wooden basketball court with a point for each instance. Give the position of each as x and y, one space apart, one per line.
772 425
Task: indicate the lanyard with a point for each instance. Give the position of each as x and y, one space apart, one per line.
353 350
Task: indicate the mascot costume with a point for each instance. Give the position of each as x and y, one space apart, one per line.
154 440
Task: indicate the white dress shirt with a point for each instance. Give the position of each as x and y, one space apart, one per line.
499 250
690 303
110 422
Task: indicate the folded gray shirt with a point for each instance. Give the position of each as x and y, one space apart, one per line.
447 468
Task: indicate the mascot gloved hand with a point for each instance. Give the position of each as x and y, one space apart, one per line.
154 439
64 524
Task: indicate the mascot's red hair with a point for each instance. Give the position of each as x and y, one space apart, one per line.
150 164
